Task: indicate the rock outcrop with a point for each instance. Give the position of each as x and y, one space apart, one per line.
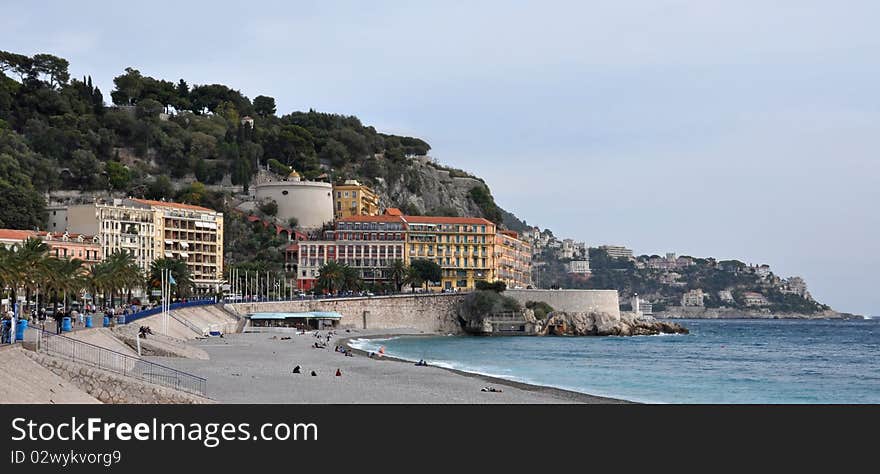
561 323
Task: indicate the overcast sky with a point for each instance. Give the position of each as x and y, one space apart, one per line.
736 129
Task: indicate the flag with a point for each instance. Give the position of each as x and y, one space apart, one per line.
171 279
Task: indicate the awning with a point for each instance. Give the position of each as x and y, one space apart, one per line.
304 315
184 245
184 254
168 241
168 254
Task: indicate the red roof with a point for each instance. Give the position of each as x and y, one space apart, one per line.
447 220
16 234
393 211
176 205
382 218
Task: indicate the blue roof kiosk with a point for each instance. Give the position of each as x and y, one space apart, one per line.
302 320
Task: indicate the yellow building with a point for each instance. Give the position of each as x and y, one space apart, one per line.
463 247
354 199
513 260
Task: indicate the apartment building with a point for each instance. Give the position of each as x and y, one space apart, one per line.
513 260
150 230
193 234
463 247
354 199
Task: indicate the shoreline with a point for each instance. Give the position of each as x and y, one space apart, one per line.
569 395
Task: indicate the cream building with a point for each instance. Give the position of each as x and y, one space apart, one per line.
310 202
149 230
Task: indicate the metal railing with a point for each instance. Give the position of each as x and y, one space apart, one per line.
157 310
58 345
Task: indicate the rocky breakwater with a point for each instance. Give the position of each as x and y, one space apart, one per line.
568 323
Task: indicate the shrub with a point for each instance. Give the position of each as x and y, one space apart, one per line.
540 308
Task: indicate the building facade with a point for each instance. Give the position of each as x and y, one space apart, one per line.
617 251
150 230
513 260
354 199
463 247
66 245
578 267
193 234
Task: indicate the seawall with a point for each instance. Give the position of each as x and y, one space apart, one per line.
427 313
575 301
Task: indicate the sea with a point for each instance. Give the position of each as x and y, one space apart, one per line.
731 361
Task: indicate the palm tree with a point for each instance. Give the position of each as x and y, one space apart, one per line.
66 277
118 272
31 260
330 276
179 272
397 272
351 280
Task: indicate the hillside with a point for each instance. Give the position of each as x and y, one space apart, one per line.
686 286
194 143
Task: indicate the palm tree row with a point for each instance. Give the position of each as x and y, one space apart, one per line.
334 276
41 276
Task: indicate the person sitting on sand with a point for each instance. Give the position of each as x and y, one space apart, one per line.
314 374
338 373
296 370
422 363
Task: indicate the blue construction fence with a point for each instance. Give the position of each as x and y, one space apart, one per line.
157 310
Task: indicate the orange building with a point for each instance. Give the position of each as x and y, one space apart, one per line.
513 260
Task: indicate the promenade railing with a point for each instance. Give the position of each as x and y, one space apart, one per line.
58 345
157 310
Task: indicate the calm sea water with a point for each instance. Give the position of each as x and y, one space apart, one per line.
721 361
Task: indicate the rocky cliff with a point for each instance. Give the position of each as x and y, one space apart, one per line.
561 323
427 188
678 312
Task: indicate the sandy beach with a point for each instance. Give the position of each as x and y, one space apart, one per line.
257 368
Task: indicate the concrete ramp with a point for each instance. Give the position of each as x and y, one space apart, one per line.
26 381
102 337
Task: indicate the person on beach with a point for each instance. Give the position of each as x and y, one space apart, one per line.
296 370
338 373
314 374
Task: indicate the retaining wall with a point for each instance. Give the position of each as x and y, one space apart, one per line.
427 313
580 301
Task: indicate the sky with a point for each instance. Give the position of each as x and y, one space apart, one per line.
746 129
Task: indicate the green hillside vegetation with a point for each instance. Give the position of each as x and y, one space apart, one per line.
56 133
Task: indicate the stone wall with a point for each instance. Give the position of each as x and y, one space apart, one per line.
112 388
427 313
576 301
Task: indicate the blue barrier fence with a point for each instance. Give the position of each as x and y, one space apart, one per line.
158 310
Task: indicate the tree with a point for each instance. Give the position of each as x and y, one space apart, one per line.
270 208
118 175
264 105
53 67
497 286
351 280
427 271
83 164
183 283
22 208
330 276
397 272
128 87
160 188
19 64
